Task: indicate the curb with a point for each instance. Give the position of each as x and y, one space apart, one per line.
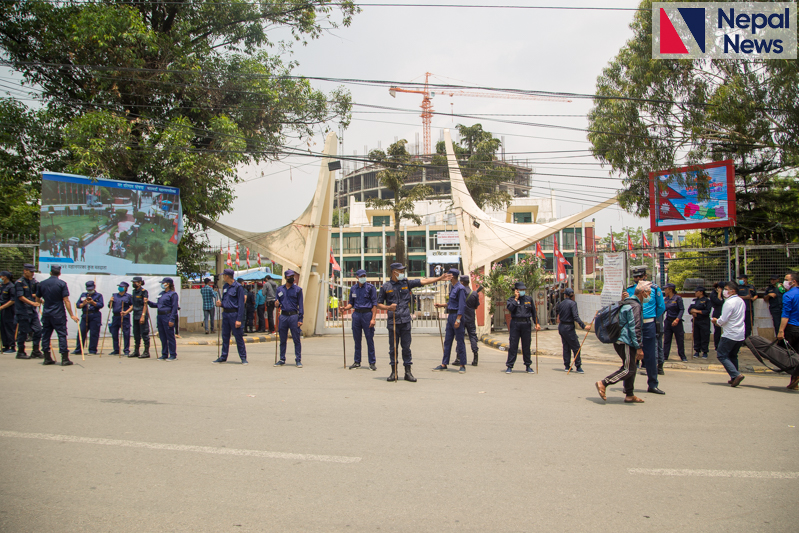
247 340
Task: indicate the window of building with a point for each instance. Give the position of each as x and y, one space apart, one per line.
522 218
568 240
416 243
373 244
579 236
352 244
549 264
416 268
381 221
390 242
351 265
370 180
549 243
373 267
334 243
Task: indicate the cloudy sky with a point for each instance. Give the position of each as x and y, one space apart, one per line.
530 49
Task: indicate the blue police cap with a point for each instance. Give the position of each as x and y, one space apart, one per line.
124 284
397 266
700 289
167 280
360 272
671 286
465 279
89 284
138 278
55 269
289 272
520 286
569 291
773 277
228 272
6 273
29 267
455 272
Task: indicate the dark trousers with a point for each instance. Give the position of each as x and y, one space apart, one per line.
471 330
625 374
678 333
50 324
28 324
360 323
776 318
457 334
122 322
141 332
748 318
290 323
728 355
404 337
520 329
250 318
167 337
792 337
570 342
716 336
270 315
228 326
90 328
701 335
650 353
7 327
259 310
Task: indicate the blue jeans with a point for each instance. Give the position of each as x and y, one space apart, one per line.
650 354
728 355
208 318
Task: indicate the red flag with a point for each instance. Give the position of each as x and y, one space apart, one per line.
333 262
539 252
646 243
630 245
259 259
238 264
228 262
248 258
612 243
668 255
561 263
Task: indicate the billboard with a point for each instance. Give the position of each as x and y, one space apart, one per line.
699 196
99 226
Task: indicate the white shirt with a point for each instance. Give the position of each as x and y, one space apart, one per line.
732 318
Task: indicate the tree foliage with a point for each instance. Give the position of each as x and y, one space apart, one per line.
171 93
659 114
483 174
396 169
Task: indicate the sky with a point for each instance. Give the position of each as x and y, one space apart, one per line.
549 50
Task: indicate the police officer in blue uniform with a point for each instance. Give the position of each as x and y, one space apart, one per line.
456 308
522 317
363 298
567 316
673 326
233 309
700 310
54 294
653 307
141 324
289 301
395 297
469 320
27 313
167 306
748 294
7 300
121 307
90 302
773 297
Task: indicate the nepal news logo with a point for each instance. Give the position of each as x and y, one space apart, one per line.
724 30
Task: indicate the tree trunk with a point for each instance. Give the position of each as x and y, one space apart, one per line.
399 242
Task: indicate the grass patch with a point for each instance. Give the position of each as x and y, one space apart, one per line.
71 226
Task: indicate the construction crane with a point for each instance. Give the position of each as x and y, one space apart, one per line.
427 102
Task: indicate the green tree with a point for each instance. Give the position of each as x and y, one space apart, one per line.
173 93
155 253
659 114
136 249
340 218
483 173
396 169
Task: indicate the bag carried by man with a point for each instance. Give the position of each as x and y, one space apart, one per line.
606 323
778 353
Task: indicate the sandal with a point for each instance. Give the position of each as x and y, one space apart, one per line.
633 399
601 390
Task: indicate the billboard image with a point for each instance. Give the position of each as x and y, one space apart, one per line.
700 196
99 226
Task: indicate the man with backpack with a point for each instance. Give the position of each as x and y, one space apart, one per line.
567 316
653 307
629 344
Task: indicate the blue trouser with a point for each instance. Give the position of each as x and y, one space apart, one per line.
403 330
7 327
90 324
728 355
650 353
50 324
228 325
360 323
701 335
460 343
290 323
27 324
776 318
678 333
659 333
167 335
570 343
124 322
519 329
470 329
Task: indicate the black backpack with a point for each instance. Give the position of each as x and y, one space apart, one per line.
606 323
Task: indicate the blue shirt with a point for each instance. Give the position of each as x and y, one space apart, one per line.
775 300
524 308
97 297
363 296
260 299
656 305
290 299
122 302
167 302
28 289
233 298
790 306
457 299
674 307
53 291
398 292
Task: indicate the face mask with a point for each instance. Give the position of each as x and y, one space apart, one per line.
728 293
121 289
165 286
740 282
290 280
648 299
787 284
401 276
522 293
362 280
92 291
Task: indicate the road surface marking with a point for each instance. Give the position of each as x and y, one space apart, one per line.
713 473
181 447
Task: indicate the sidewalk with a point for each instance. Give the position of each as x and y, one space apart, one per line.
593 350
201 339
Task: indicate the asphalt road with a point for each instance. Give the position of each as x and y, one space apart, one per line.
148 446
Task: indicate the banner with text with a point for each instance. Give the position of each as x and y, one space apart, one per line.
615 276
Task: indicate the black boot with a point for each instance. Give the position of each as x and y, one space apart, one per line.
146 354
660 369
393 376
474 360
135 351
65 360
408 375
36 353
48 360
21 353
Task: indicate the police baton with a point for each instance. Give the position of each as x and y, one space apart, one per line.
80 341
277 331
152 336
587 331
343 335
105 330
536 351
